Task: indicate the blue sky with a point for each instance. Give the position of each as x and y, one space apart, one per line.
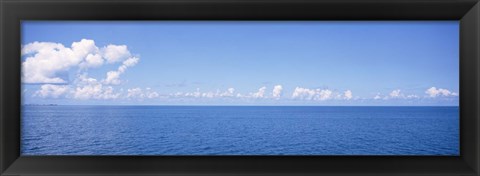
405 63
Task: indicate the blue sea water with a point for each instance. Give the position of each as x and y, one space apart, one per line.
239 130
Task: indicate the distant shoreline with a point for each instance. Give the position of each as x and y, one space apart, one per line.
41 105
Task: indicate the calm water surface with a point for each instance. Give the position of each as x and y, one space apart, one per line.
239 130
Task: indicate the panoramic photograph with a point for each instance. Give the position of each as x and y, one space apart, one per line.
240 88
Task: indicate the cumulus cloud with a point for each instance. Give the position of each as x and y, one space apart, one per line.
113 77
83 89
92 60
41 47
231 90
91 88
311 94
115 53
277 91
151 94
229 93
51 90
209 95
348 95
434 92
395 93
84 48
48 62
97 91
139 93
195 94
260 93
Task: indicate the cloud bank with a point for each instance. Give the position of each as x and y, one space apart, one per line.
434 92
50 64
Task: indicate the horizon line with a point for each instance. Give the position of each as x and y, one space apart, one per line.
250 105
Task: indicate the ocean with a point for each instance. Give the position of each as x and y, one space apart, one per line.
239 130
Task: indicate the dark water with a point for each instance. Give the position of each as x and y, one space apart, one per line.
214 130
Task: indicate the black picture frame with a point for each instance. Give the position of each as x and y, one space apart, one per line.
14 11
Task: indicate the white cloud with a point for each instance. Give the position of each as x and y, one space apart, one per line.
323 94
135 93
312 94
84 47
43 47
51 90
299 93
348 94
303 93
395 93
90 88
229 93
208 94
115 53
138 93
197 93
130 62
260 93
92 60
97 91
434 92
231 90
113 77
87 88
151 94
48 62
277 91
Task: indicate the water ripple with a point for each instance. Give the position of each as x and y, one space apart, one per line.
157 130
